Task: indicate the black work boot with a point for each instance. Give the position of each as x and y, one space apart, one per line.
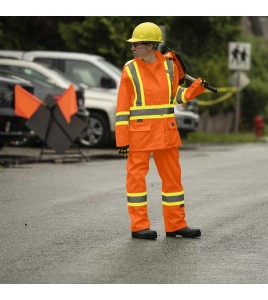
145 234
185 232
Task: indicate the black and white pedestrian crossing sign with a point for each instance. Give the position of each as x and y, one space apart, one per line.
239 56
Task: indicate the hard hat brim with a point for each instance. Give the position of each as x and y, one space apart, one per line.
133 40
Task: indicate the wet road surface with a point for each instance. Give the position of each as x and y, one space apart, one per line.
68 222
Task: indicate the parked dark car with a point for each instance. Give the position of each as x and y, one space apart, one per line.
41 90
12 127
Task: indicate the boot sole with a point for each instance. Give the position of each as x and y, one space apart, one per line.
191 236
145 236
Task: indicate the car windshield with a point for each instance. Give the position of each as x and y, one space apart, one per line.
64 77
112 67
61 75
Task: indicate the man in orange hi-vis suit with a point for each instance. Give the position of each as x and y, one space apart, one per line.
145 124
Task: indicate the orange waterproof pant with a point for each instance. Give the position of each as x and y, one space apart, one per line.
168 166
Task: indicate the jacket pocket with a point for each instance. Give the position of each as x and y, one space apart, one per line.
172 137
140 126
140 135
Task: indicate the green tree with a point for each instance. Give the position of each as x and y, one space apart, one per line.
32 33
105 36
202 36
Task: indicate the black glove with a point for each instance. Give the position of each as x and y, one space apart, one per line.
123 150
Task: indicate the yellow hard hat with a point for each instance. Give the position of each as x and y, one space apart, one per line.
146 32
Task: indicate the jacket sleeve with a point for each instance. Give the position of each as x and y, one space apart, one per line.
122 114
186 94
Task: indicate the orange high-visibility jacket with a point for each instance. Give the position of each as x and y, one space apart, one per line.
145 105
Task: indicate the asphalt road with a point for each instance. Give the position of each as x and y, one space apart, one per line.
68 222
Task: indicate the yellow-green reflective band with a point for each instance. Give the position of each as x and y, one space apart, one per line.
120 113
169 70
121 123
134 108
183 96
173 194
172 197
152 117
135 77
137 204
152 111
180 98
139 199
122 118
140 83
137 194
131 78
173 203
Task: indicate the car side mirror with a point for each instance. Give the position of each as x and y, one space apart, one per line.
107 83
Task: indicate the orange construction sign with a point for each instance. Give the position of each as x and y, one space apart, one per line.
25 103
68 103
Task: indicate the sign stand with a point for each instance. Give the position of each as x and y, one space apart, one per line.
237 108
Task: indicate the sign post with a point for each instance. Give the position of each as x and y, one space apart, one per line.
239 58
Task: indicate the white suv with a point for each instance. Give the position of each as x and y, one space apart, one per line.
101 81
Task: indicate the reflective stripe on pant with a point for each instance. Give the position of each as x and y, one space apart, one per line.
137 169
167 163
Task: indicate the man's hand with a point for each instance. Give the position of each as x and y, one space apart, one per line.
123 150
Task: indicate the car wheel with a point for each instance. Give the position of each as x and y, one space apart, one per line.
97 133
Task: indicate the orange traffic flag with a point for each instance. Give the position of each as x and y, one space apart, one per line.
25 103
68 103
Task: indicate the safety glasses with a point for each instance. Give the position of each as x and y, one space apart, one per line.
135 45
